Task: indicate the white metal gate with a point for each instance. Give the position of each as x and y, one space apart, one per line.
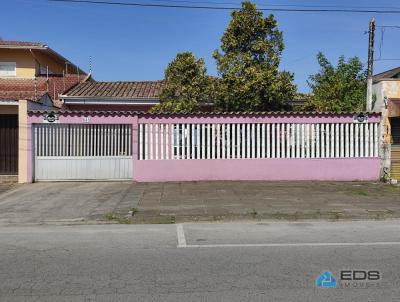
82 152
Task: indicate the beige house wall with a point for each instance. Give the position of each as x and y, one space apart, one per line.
392 92
25 63
28 63
389 89
392 89
23 141
43 60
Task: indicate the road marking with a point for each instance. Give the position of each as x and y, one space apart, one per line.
305 244
181 235
182 243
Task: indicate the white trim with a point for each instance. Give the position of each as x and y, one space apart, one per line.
8 102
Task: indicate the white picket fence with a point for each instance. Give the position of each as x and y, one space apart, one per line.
256 140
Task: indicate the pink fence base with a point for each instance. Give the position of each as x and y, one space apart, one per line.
342 169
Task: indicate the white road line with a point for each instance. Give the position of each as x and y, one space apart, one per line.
305 244
181 235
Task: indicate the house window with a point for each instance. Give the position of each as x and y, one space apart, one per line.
8 69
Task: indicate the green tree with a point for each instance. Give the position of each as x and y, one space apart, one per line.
341 88
249 64
187 85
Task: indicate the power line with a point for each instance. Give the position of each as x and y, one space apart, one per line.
209 7
280 5
389 26
381 42
387 59
383 30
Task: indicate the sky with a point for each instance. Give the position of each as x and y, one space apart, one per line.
136 43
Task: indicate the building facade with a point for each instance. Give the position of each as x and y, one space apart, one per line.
386 99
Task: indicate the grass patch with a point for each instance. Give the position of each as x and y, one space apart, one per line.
253 213
118 218
362 193
392 189
167 219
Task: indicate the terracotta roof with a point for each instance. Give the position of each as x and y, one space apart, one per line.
22 89
124 90
33 89
21 44
389 74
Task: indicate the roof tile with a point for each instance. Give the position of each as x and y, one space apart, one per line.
33 89
139 89
21 44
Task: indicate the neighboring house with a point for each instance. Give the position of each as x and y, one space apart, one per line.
32 75
386 85
117 96
113 96
386 94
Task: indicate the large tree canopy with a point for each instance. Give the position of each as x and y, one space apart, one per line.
249 64
341 88
187 85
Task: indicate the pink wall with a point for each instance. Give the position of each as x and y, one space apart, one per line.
343 169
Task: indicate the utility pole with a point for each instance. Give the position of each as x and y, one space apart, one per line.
370 63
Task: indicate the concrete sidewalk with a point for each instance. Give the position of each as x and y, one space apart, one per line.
117 202
208 201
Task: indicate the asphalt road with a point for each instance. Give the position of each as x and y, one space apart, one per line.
199 262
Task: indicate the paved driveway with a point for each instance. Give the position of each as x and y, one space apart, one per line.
67 201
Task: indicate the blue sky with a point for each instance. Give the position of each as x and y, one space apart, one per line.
132 43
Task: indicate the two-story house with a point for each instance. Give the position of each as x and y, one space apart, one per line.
32 76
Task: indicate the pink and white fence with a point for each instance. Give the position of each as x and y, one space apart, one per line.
265 146
258 147
257 140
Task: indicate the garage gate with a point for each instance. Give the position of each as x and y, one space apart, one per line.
82 152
